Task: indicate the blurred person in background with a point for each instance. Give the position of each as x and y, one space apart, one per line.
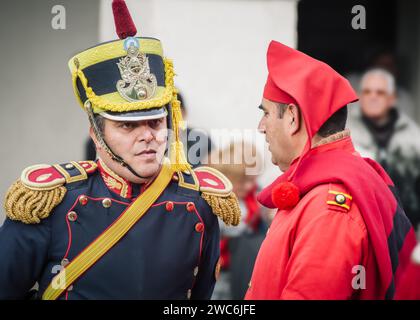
197 141
239 245
382 131
382 58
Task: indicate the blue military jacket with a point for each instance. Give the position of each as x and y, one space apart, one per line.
172 252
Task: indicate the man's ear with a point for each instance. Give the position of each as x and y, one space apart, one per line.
293 118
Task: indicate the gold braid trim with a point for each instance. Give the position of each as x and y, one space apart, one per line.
225 207
29 205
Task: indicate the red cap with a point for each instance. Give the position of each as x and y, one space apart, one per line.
316 88
124 25
274 93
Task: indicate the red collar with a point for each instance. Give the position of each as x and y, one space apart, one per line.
114 182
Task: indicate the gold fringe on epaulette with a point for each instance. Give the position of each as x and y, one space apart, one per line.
225 207
30 206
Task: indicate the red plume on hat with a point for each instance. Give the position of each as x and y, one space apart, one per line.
124 25
315 87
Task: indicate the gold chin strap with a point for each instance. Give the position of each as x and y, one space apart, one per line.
101 245
99 137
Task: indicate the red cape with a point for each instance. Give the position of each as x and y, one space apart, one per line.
391 235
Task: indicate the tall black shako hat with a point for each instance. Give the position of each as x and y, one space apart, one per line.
128 80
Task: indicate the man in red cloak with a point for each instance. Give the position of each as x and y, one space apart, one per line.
339 232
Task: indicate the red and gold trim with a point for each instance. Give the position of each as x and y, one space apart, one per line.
339 199
88 166
114 182
42 177
48 177
213 181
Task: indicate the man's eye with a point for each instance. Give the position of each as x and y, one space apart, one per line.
127 125
155 123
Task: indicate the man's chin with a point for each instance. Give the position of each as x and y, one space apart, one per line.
273 160
147 168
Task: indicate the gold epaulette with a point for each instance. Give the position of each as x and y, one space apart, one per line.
216 189
41 188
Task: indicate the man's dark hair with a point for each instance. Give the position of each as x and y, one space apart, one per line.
334 124
282 109
100 122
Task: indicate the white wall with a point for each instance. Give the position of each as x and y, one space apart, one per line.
40 120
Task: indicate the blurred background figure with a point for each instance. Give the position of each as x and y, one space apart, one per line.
382 131
198 142
239 245
90 149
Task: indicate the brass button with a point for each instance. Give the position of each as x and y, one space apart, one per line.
69 166
189 294
106 202
83 200
65 262
340 199
72 216
195 271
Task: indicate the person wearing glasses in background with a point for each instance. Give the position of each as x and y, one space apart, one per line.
382 131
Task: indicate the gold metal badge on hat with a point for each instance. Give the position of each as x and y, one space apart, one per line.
137 82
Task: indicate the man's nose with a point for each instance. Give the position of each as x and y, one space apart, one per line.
145 134
261 126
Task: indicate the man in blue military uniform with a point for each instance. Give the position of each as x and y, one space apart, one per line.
134 224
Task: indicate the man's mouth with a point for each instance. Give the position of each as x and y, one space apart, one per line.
148 153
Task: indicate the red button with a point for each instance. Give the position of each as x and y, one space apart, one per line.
83 200
169 206
199 227
190 206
